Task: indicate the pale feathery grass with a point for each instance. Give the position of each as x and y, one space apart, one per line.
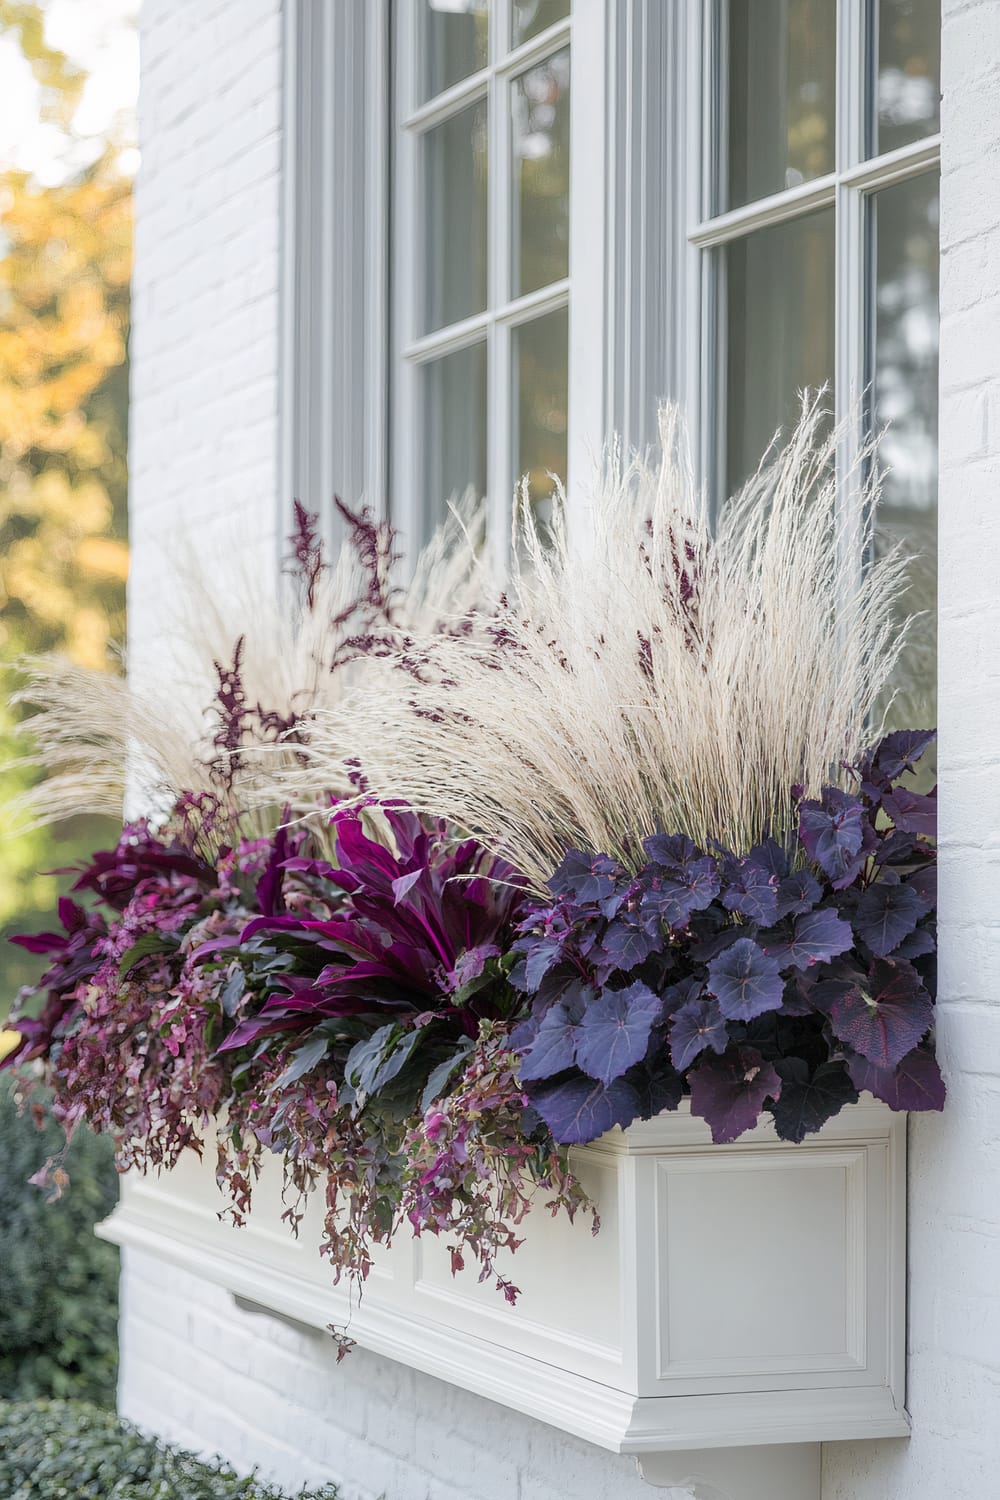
664 677
105 742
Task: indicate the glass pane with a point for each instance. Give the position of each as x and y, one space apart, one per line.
779 298
454 207
532 16
452 42
905 397
782 80
540 104
909 72
541 373
453 430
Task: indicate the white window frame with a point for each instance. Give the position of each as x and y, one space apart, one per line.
582 290
848 189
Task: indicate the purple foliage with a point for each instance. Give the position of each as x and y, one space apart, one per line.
786 979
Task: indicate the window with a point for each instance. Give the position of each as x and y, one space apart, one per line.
480 254
815 249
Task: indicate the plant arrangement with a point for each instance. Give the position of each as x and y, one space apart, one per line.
545 862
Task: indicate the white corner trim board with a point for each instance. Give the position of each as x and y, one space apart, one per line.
736 1296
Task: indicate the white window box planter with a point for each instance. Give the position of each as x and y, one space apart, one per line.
737 1297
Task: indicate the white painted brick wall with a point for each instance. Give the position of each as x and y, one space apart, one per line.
954 1364
216 1378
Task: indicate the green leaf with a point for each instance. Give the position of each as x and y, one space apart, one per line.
443 1073
303 1061
147 945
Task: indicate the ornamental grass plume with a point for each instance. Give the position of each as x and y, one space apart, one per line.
240 666
665 677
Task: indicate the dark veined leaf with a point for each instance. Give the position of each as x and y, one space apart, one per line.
539 958
552 1048
624 946
753 884
303 1060
914 1083
697 1025
657 1085
439 1077
885 1018
675 893
896 753
728 1092
579 1109
919 943
809 1098
587 878
912 812
885 915
144 947
832 831
745 981
614 1031
798 893
670 849
817 936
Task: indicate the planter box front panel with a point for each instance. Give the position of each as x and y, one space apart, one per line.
761 1283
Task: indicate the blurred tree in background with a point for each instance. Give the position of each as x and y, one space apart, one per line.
65 261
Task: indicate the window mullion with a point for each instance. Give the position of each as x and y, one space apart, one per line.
500 416
851 298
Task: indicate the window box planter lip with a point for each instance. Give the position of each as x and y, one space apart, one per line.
668 1369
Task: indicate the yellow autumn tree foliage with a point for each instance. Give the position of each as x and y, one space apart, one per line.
65 263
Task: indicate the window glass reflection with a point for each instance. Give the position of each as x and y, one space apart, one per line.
541 372
779 300
454 157
904 390
909 73
453 429
529 17
540 107
452 42
781 99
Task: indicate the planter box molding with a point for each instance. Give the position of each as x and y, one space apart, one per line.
736 1296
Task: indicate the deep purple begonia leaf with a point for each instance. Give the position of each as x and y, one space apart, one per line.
670 849
656 1084
810 1097
912 812
924 882
797 893
817 936
885 1018
624 946
919 944
896 753
745 981
696 1026
832 831
728 1092
752 890
614 1031
579 1109
587 878
885 915
676 893
914 1083
553 1047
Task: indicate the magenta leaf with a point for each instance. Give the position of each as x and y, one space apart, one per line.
914 1083
817 936
614 1031
697 1025
808 1099
745 981
884 1018
580 1109
885 915
728 1092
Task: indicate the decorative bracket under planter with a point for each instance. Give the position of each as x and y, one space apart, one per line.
741 1305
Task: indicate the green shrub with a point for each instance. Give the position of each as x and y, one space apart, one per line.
68 1450
58 1283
